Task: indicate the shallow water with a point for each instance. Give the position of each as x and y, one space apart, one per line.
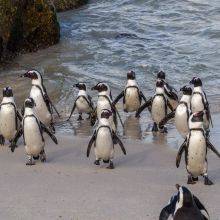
105 39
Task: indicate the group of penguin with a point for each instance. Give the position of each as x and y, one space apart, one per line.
191 114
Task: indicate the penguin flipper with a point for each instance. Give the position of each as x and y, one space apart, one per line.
92 140
74 106
167 118
145 105
118 98
170 106
45 129
19 115
179 154
166 212
13 144
200 206
170 91
49 103
90 102
143 96
211 147
117 140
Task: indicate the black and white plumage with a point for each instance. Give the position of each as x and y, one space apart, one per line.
199 101
182 113
104 138
9 116
44 106
132 95
195 147
83 102
184 206
32 130
159 105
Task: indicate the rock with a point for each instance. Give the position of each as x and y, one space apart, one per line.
27 25
63 5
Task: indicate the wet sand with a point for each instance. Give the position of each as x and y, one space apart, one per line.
69 186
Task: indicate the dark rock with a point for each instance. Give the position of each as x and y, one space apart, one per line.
63 5
27 25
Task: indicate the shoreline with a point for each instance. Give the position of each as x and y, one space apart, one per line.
138 188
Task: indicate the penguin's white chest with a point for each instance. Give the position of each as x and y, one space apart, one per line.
102 103
196 103
41 108
8 121
196 154
104 144
132 100
181 120
33 138
82 105
158 110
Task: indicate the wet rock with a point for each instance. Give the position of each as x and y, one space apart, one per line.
27 25
63 5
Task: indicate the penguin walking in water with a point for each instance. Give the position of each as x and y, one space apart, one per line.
184 206
132 96
199 102
195 146
9 116
32 130
104 139
159 105
169 90
182 113
83 102
105 102
44 107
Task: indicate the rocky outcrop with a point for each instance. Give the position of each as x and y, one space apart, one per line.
27 25
63 5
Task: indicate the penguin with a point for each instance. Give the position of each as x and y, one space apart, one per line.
184 206
199 102
159 105
182 113
105 102
32 130
9 116
195 146
169 90
44 107
83 102
132 96
104 138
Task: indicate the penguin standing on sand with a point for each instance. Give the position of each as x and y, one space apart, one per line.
105 102
44 107
132 96
104 139
182 113
83 102
184 206
169 90
199 102
195 147
9 116
159 106
32 130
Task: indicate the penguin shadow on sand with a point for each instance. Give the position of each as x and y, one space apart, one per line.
132 128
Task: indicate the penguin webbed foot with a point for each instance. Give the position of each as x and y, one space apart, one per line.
97 162
2 140
80 117
207 181
30 163
154 128
192 180
36 158
111 165
12 146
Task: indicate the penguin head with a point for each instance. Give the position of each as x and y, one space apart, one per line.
101 87
7 92
106 113
186 90
196 120
29 103
161 75
196 81
160 83
184 196
33 75
131 75
81 86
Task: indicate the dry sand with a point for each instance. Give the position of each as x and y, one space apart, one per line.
68 186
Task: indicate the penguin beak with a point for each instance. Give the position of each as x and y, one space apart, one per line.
191 82
76 85
27 74
177 186
94 88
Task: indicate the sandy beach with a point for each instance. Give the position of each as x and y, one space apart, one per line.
68 186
